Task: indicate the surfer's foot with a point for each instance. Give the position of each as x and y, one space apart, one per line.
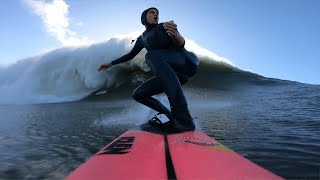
181 120
174 127
155 121
169 124
159 119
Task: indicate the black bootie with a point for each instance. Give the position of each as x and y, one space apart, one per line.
180 120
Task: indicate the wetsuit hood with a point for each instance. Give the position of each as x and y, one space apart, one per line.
144 18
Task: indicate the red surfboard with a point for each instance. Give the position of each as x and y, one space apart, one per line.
191 155
198 156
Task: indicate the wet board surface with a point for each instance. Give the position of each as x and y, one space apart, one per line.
135 154
191 155
198 156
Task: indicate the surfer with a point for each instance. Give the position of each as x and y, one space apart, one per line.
172 64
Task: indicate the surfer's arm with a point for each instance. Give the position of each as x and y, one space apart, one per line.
135 50
171 29
178 40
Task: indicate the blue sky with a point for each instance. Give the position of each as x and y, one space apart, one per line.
274 38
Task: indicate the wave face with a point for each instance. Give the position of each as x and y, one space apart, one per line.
69 74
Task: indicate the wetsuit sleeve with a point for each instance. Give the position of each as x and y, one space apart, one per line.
184 42
135 50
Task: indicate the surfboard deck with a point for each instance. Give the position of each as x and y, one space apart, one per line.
134 154
195 155
139 154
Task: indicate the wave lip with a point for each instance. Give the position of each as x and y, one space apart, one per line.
69 73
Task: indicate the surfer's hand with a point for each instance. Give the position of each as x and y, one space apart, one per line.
172 31
103 67
171 28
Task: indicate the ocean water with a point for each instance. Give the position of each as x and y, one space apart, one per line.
56 111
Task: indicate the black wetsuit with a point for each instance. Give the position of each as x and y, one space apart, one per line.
172 70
